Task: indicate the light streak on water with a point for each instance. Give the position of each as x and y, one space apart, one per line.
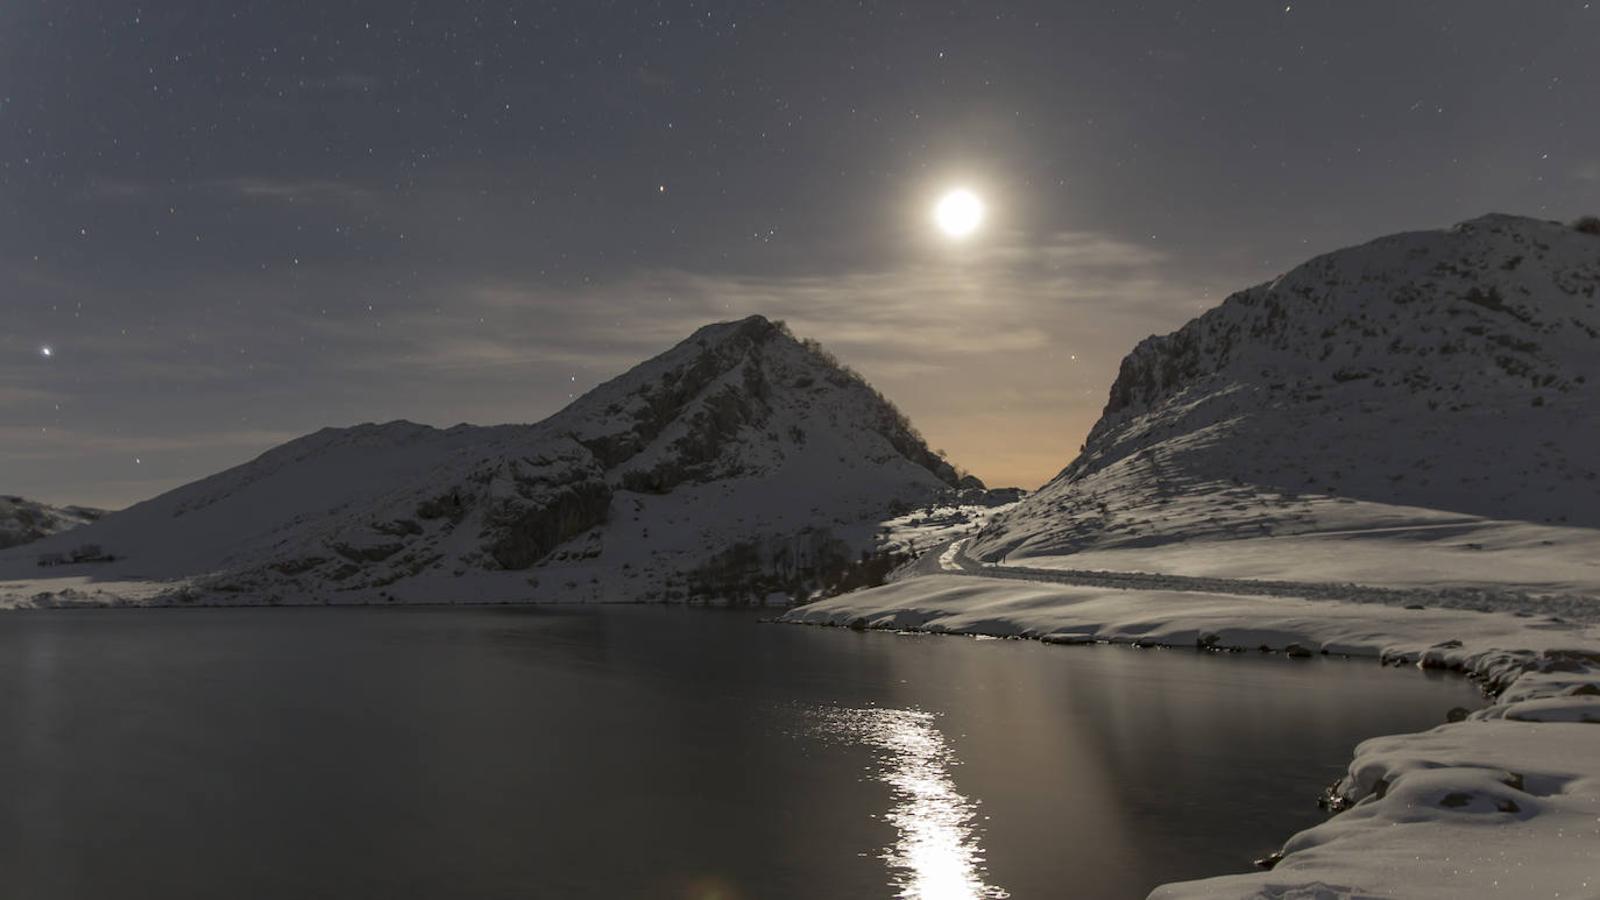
937 855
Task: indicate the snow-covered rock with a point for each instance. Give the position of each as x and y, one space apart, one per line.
23 521
742 461
1437 378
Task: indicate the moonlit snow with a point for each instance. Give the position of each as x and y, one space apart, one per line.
1387 452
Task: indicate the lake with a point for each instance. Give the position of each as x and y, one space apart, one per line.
648 752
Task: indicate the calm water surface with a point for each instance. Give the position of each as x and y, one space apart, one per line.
647 752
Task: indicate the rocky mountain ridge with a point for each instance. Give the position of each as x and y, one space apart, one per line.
1451 370
23 521
742 451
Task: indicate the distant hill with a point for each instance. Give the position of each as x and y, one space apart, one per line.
1453 371
23 521
741 462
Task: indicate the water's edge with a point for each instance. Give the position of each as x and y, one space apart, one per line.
1493 671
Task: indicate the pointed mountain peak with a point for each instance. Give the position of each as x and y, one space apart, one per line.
729 385
750 328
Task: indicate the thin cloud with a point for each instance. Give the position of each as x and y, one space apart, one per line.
119 189
1022 334
1010 298
292 190
12 397
27 442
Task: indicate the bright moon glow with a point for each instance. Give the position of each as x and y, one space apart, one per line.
959 213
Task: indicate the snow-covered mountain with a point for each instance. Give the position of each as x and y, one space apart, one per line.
742 460
23 521
1417 383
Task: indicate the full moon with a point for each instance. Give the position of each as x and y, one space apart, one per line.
959 213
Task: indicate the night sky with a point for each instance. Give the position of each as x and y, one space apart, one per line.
234 223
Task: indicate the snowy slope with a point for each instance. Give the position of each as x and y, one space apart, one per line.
23 520
741 459
1432 386
1388 452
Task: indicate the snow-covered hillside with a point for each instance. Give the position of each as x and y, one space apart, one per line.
1389 451
1436 385
741 461
23 521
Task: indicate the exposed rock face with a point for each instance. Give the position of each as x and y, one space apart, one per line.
1454 370
732 449
524 533
23 521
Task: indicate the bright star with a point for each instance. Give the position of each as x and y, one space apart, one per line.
46 352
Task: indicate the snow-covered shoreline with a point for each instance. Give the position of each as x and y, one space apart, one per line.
1384 452
1504 803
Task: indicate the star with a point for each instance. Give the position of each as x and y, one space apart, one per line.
46 352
